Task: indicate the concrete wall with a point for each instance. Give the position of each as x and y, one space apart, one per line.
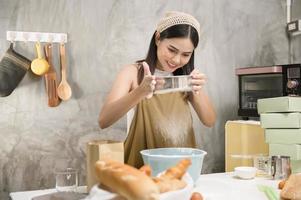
102 37
296 40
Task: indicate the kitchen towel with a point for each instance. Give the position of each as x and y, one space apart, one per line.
13 67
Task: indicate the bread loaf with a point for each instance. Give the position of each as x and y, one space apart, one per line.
126 180
292 188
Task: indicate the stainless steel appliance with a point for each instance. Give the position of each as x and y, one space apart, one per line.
266 82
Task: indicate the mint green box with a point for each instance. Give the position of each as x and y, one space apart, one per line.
279 104
296 166
291 150
283 136
280 120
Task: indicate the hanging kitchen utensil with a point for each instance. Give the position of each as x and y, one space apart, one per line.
64 90
39 66
13 67
50 78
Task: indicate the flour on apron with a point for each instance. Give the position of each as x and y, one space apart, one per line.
162 121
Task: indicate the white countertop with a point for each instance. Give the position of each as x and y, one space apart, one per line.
221 186
218 186
28 195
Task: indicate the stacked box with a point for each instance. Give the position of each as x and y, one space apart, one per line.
281 119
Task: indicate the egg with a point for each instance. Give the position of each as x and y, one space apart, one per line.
281 184
196 196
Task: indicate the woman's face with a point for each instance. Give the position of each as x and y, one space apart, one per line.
173 53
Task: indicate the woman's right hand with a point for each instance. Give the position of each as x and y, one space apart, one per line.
148 83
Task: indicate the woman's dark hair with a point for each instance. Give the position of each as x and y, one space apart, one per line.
177 31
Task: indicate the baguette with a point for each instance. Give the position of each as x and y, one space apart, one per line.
177 171
167 185
126 180
170 180
146 169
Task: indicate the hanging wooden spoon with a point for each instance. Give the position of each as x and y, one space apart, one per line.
39 66
64 90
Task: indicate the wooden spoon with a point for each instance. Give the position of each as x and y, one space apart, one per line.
39 66
64 90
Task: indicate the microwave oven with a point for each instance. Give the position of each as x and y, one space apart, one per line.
266 82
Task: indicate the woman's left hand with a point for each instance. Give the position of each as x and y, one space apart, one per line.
197 81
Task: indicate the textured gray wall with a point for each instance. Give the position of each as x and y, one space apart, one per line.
296 41
102 37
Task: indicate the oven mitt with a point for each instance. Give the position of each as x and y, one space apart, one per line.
13 67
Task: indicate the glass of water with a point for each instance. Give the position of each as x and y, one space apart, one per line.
66 180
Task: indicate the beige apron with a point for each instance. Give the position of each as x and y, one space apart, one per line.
162 121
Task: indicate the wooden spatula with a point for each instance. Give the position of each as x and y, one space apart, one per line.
50 79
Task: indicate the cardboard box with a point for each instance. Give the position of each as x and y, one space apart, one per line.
280 120
291 150
98 149
279 104
283 136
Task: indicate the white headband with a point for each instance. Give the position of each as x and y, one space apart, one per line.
174 18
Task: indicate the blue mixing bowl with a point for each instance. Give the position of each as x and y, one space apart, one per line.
161 159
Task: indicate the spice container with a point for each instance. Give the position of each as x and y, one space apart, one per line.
263 164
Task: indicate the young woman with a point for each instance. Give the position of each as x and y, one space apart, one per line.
160 120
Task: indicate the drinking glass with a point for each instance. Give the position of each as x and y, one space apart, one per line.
66 180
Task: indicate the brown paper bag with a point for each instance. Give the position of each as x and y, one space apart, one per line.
100 149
